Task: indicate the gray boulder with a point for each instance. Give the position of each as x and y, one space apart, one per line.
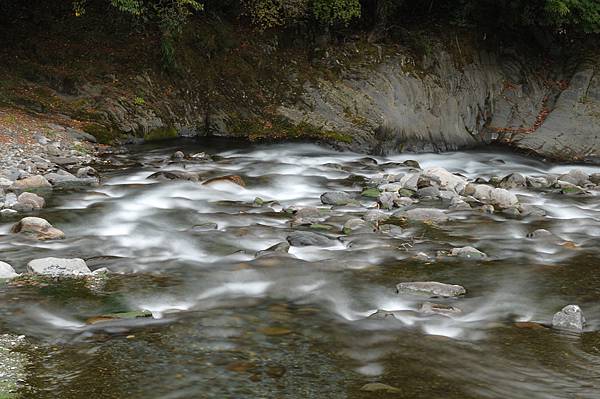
576 177
569 318
31 183
445 180
514 180
57 267
6 271
431 288
336 198
423 215
308 238
66 180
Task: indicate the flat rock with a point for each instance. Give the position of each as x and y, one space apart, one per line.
431 289
37 228
56 267
336 198
32 182
569 318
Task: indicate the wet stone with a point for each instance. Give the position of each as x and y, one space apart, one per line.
308 238
7 271
468 253
569 318
57 267
37 228
438 308
336 198
431 289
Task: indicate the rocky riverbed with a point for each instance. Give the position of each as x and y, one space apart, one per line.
292 270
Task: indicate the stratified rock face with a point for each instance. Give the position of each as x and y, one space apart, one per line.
443 105
572 129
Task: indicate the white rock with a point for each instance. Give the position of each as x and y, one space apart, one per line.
59 267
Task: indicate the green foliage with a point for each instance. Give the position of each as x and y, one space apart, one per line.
336 11
273 13
583 13
139 101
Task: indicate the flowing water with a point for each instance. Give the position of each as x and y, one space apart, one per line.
229 324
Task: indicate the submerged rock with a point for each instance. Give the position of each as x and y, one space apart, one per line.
438 308
57 267
7 271
336 198
175 175
379 387
569 318
235 179
431 288
308 238
468 253
37 228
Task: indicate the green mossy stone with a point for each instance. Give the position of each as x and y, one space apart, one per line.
371 193
165 133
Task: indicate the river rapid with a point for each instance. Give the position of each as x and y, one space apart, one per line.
230 322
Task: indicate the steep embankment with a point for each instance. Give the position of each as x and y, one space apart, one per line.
440 92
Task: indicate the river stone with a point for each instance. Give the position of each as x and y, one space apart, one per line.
410 181
336 198
86 172
178 156
569 318
370 193
308 215
10 200
539 233
375 216
174 175
423 215
7 271
235 179
438 308
307 238
412 163
32 182
379 387
390 187
354 224
428 192
537 182
37 228
31 200
59 267
468 253
280 248
387 200
514 180
431 289
66 180
595 178
498 197
445 179
5 183
575 176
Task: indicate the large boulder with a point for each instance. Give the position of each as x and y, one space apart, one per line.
36 182
445 180
569 318
431 288
57 267
6 271
37 228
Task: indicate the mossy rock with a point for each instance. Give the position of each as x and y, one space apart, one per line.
103 134
319 226
405 192
371 193
161 133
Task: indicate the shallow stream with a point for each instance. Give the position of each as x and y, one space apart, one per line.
229 324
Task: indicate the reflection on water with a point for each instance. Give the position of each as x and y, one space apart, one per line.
226 323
